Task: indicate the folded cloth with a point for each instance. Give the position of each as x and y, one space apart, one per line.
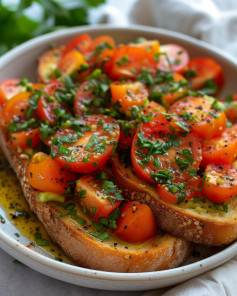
213 21
219 282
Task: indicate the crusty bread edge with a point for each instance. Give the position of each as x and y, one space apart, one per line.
188 224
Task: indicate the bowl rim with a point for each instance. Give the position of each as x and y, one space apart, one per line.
8 243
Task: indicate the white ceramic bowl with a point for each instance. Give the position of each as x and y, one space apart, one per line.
22 62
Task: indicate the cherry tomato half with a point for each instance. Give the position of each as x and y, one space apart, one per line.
8 89
94 199
222 149
136 223
200 114
221 183
45 174
175 58
89 149
26 139
156 149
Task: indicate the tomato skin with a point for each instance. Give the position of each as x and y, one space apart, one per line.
129 94
46 175
178 57
15 108
94 198
44 108
79 43
231 111
136 223
83 97
220 150
105 60
80 159
154 108
91 49
205 69
8 89
153 46
70 63
19 139
136 59
221 183
208 122
158 131
126 138
190 193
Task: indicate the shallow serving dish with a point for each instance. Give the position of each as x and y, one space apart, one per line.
22 62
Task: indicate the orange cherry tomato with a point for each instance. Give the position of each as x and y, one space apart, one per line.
220 150
70 63
94 199
221 182
8 89
45 174
44 108
79 43
136 223
200 115
205 69
155 148
129 61
26 139
172 192
175 58
129 94
15 108
86 151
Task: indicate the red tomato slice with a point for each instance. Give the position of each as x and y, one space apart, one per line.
96 47
171 193
15 108
136 223
46 175
128 62
94 198
127 132
79 43
26 139
129 94
200 115
84 99
222 149
105 60
205 69
176 58
86 151
231 105
156 149
154 108
44 108
221 183
8 89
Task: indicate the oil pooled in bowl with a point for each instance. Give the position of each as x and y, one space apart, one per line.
18 213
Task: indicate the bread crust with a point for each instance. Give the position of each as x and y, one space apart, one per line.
208 229
163 253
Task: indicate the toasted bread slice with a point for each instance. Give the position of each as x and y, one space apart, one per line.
197 222
162 252
48 63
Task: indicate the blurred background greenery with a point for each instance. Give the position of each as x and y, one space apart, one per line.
22 20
